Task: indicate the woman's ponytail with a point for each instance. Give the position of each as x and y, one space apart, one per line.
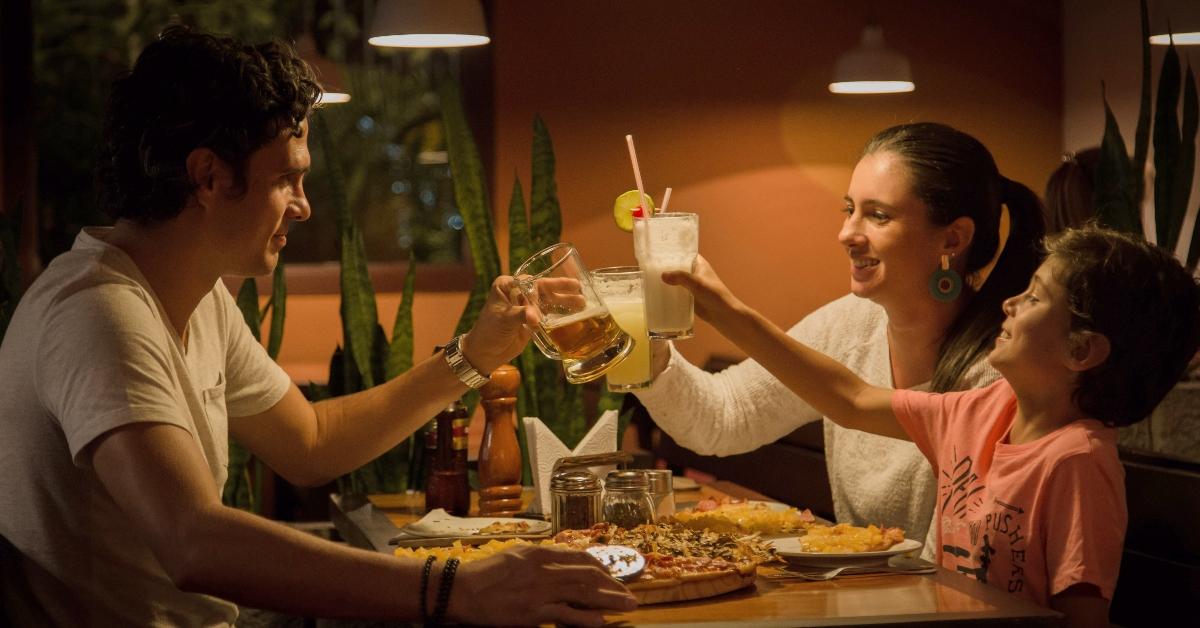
971 335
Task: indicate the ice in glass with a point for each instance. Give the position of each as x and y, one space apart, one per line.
666 241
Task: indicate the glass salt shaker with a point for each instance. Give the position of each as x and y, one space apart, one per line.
627 500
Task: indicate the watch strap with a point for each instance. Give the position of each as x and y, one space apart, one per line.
463 369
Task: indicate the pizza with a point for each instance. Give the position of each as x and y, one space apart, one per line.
681 563
745 517
844 538
504 527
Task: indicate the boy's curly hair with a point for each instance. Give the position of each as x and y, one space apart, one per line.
1147 305
189 90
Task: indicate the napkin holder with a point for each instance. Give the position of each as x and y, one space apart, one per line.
547 451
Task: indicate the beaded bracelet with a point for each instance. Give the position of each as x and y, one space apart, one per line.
425 587
443 599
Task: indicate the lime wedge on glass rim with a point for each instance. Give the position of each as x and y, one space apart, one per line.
625 205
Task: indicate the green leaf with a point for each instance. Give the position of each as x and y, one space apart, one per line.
400 353
247 302
278 311
1114 193
1187 159
1141 139
545 217
359 314
237 492
520 244
471 195
470 191
1166 151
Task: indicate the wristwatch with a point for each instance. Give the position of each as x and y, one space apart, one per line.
463 369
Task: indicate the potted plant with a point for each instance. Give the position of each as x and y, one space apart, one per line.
1119 190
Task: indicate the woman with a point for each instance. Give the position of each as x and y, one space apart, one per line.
922 197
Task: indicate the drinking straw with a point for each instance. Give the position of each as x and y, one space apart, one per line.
637 174
666 199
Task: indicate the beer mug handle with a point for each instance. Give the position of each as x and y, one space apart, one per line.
543 342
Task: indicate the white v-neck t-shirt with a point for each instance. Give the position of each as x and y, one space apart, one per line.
89 350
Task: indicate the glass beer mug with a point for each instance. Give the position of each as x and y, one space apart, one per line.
574 326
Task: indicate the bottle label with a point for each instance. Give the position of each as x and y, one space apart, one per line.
460 430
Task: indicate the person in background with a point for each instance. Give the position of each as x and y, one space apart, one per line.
1069 191
1033 493
922 229
127 367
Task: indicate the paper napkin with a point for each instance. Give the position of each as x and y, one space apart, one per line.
545 449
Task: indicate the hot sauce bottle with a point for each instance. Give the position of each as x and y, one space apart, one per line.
446 484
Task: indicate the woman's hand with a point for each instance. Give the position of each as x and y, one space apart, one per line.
530 585
499 335
714 302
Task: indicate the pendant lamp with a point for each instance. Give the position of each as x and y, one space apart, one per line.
329 74
428 24
872 68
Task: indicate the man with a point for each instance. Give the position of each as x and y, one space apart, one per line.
127 366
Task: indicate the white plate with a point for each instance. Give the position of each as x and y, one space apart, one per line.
681 483
439 523
788 548
772 506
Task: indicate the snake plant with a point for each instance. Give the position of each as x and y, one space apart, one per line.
1119 179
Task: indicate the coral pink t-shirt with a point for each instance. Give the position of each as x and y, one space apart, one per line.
1032 519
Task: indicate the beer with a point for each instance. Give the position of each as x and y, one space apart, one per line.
574 325
582 334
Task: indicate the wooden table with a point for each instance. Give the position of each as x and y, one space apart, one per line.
943 598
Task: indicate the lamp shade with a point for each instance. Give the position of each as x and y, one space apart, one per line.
1174 19
428 24
329 74
872 68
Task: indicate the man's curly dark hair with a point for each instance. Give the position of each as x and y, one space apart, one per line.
189 90
1147 305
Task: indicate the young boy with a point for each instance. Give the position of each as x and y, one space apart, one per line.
1031 493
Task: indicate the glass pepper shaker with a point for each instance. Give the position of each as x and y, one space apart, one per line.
661 492
575 500
627 500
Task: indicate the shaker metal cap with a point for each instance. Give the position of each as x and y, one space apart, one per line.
630 479
578 480
660 480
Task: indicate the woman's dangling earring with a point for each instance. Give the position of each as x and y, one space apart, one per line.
945 284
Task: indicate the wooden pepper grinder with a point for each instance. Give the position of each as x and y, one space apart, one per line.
500 453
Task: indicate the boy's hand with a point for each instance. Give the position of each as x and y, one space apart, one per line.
714 302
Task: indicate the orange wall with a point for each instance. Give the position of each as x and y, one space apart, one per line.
728 104
727 101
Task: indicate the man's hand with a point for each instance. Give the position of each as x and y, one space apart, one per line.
714 302
532 585
499 335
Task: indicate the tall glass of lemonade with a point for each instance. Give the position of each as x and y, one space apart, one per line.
620 287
